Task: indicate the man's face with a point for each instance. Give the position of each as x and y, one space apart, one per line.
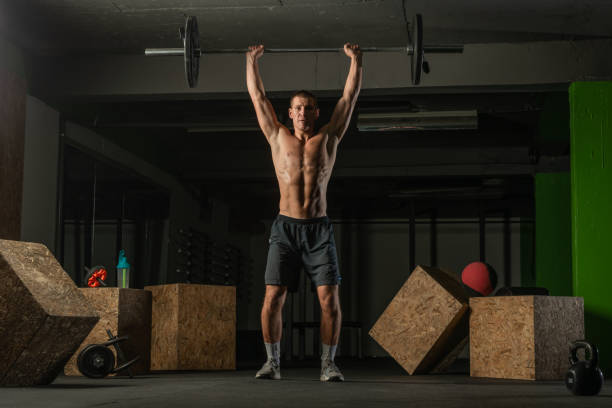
303 112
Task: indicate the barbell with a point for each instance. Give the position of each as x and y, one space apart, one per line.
192 52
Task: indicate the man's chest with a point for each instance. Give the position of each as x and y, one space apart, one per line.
309 154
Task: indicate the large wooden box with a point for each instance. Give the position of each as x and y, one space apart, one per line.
43 315
426 323
524 337
193 327
125 312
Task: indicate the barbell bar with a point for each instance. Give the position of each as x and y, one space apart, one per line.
179 52
192 52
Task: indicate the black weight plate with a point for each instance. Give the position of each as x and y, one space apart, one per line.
191 44
417 47
96 361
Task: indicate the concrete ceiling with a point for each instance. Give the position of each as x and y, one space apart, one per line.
129 26
156 129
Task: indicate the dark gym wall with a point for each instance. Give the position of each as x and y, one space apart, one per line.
527 249
40 169
12 136
185 210
553 127
591 178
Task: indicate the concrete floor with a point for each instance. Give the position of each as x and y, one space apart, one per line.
368 383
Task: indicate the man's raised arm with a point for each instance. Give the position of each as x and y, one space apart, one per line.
263 108
344 108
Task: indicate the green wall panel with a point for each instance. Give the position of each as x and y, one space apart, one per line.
591 207
553 259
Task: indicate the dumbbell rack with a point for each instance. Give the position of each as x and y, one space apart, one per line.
202 260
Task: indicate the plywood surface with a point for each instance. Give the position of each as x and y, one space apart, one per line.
194 327
44 316
105 301
558 322
164 326
501 337
135 322
424 314
523 337
208 331
125 312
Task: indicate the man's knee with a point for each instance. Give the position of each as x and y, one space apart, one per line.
274 297
330 303
330 308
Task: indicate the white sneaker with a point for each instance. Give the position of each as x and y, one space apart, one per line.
330 372
269 371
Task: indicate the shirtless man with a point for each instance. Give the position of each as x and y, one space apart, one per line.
302 235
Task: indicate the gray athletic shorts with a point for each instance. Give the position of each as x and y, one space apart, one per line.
297 244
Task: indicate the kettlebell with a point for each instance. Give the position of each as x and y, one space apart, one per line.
584 376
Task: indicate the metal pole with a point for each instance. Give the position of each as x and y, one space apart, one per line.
433 239
412 237
164 52
93 215
507 250
435 49
481 232
60 225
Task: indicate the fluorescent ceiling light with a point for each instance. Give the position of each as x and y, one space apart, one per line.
221 128
427 120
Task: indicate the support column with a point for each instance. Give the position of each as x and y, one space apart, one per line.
591 201
12 139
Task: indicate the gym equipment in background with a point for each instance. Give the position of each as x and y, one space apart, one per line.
98 361
123 271
95 276
479 278
191 51
425 326
584 376
521 291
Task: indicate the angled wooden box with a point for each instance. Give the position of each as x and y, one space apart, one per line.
524 337
125 312
426 324
193 327
43 315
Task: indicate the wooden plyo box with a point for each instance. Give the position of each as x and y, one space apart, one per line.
125 312
193 327
524 337
426 324
43 315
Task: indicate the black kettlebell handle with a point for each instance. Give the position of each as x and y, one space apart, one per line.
589 349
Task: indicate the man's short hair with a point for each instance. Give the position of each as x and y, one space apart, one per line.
305 94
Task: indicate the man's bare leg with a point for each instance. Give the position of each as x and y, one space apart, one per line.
331 323
331 315
271 313
272 327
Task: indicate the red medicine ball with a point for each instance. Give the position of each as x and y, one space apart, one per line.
480 277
